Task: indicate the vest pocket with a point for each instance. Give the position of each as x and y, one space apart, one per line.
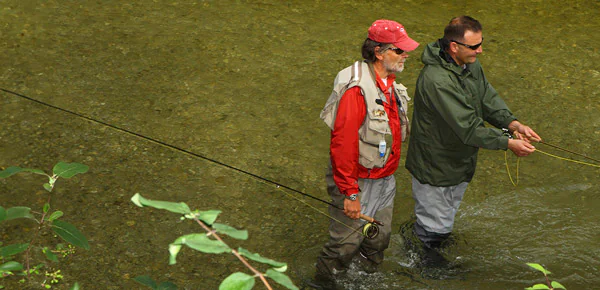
369 156
375 129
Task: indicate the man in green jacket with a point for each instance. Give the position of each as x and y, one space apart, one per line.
452 100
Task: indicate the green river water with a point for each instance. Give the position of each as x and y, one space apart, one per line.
242 83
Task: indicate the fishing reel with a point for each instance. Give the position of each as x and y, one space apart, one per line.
507 133
370 230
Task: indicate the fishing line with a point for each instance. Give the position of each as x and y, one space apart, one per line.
551 155
566 150
323 213
168 145
568 159
508 169
161 143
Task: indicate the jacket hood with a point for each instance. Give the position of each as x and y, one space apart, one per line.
431 54
434 55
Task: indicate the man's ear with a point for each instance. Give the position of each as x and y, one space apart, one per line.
453 46
378 53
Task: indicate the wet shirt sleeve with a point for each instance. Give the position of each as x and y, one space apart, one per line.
344 141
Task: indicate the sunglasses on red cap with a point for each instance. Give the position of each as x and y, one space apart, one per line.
473 47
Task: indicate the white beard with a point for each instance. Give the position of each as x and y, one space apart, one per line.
393 67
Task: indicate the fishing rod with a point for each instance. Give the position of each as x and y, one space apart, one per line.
372 221
362 216
566 150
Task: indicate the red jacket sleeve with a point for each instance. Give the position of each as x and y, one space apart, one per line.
344 140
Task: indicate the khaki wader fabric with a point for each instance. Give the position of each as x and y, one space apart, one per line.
377 201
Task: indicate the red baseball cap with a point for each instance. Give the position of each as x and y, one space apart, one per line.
388 31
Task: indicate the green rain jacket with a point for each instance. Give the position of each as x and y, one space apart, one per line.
450 107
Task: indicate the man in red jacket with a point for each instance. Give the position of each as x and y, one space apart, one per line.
367 114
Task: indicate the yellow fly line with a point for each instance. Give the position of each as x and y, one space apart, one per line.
508 169
568 159
546 153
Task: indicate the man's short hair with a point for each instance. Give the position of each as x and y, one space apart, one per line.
458 26
368 49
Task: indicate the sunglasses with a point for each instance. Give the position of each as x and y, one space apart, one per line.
473 47
397 50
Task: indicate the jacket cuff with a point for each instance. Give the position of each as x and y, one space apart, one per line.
356 190
504 143
508 121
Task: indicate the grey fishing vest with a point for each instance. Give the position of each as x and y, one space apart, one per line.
375 128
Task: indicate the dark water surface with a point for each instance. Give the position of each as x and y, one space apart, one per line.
242 82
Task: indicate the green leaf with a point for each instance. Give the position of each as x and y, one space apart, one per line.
68 170
282 279
75 286
539 268
538 287
55 215
167 286
259 258
209 216
237 281
2 214
231 231
11 266
46 207
176 207
281 269
173 251
47 187
49 255
146 281
202 243
18 212
12 250
69 233
556 285
15 169
10 171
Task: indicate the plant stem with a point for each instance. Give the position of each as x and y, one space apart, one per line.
548 281
235 253
36 234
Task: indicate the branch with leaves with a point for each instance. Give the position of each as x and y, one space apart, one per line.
551 285
211 243
65 230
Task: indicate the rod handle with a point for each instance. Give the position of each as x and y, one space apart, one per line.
370 219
